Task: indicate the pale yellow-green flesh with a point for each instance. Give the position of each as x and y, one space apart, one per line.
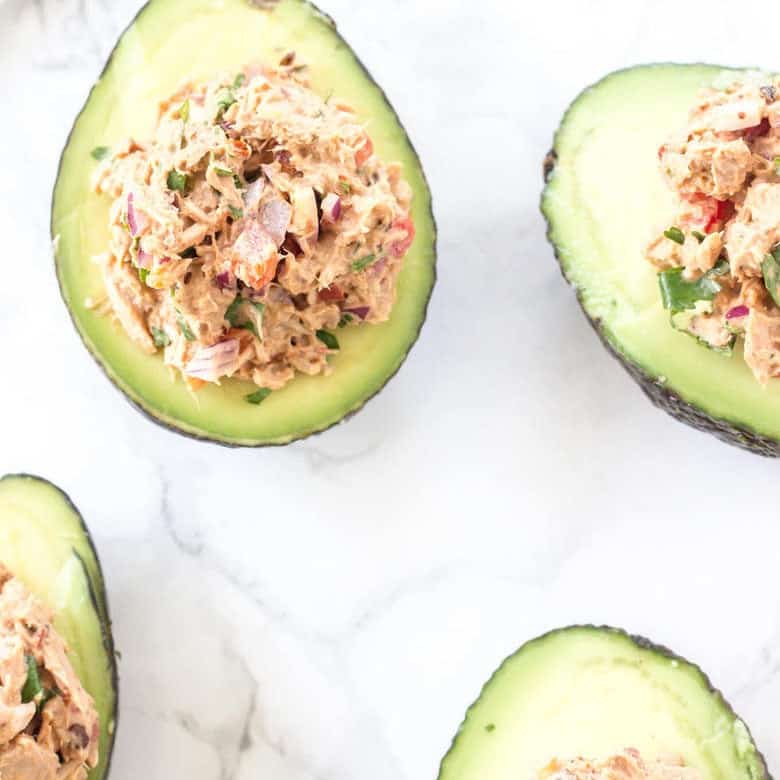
605 200
593 693
43 543
173 41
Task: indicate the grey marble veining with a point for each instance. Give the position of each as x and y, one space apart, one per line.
328 610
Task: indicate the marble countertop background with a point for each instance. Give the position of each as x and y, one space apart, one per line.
328 610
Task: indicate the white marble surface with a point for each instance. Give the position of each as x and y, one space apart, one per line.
328 610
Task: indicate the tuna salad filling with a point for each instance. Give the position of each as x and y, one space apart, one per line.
254 224
627 765
49 726
719 258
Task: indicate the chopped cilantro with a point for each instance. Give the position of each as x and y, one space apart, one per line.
236 213
698 235
160 337
363 262
185 328
100 153
678 294
771 271
675 234
231 313
328 339
259 396
177 181
345 320
32 686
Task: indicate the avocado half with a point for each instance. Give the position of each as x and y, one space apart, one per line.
45 543
603 196
169 42
593 692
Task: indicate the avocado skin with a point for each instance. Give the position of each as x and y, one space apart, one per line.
101 606
660 396
264 5
639 641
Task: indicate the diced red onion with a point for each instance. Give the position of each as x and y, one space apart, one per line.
211 363
223 280
144 259
736 116
253 193
378 267
331 208
275 218
136 222
737 312
359 311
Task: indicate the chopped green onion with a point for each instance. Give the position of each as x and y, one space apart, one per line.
177 181
184 111
698 236
259 396
224 101
237 181
185 328
143 273
32 685
238 81
675 234
160 337
223 171
100 153
236 213
363 263
328 339
345 320
770 267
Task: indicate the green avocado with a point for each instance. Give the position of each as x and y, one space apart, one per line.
170 42
604 196
593 692
45 543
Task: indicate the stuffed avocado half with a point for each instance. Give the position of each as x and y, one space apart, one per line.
594 702
345 350
49 567
606 194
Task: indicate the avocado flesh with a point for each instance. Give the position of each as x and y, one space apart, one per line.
604 197
593 692
43 542
151 60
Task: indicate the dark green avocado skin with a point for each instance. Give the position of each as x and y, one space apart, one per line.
265 5
661 396
640 641
100 605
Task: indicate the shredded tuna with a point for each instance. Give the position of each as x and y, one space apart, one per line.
54 736
627 765
253 194
725 169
